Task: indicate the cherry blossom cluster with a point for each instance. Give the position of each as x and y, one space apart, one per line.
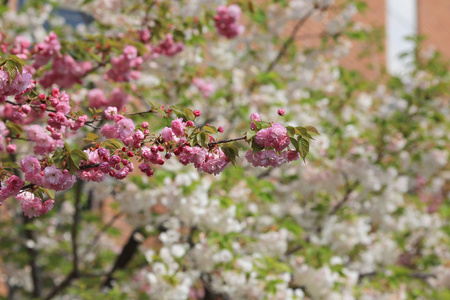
21 84
274 140
65 71
3 140
33 206
227 21
168 47
21 47
121 67
49 177
10 188
204 87
117 98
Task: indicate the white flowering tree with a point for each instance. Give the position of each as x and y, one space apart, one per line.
205 98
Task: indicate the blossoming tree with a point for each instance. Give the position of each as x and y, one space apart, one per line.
137 118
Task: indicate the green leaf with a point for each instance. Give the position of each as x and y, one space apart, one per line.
73 167
304 147
76 159
39 193
12 69
203 139
66 147
19 62
210 129
258 124
118 143
179 113
312 129
295 143
90 138
154 104
108 146
255 147
14 128
77 156
50 193
231 151
249 135
189 114
10 164
291 131
301 131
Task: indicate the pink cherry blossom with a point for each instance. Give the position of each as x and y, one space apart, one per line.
178 127
227 19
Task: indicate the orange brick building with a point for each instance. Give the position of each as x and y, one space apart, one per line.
395 20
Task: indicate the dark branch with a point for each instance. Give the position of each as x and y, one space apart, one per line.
349 190
36 275
74 274
226 141
290 40
125 256
102 231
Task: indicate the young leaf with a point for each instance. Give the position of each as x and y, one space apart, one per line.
80 153
290 131
210 129
12 70
14 128
50 193
312 129
301 131
76 157
108 146
231 151
304 147
10 164
73 167
189 114
117 143
249 135
203 139
255 147
294 143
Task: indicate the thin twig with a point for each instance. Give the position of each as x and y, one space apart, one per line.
125 256
98 235
36 275
75 221
290 40
141 113
74 274
65 283
226 141
348 191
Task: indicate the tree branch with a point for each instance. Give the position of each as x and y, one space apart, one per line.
349 190
36 275
226 141
125 256
98 235
74 274
290 40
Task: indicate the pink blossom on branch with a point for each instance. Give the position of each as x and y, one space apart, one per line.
121 67
168 47
32 206
274 136
18 86
227 19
